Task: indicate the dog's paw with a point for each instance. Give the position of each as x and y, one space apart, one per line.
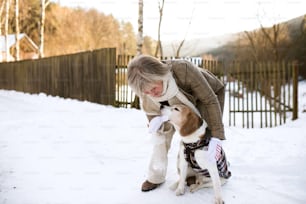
180 191
174 186
194 187
219 201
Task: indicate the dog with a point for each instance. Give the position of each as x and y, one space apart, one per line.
193 155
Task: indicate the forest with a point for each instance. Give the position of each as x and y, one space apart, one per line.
71 30
282 42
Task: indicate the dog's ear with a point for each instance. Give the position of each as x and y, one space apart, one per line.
190 124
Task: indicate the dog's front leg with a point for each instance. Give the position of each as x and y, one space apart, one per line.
183 166
204 162
213 171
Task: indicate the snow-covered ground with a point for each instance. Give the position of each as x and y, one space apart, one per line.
62 151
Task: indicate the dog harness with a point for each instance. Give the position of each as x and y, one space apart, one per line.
189 151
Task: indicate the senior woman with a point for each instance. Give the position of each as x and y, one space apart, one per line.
175 82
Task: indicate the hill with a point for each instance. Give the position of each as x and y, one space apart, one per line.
198 46
220 46
284 41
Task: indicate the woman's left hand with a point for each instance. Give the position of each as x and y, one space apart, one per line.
214 149
156 122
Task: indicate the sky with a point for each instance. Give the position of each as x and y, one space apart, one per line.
63 151
208 17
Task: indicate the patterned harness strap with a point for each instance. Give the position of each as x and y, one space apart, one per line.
189 151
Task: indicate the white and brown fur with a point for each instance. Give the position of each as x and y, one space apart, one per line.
191 129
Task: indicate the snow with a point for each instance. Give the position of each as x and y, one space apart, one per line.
63 151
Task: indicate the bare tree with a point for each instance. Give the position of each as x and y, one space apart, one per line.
1 12
136 102
300 43
140 28
43 6
267 43
273 39
17 29
159 44
274 36
177 54
183 41
251 35
7 12
303 25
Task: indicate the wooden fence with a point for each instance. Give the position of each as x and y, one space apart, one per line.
260 94
84 76
124 95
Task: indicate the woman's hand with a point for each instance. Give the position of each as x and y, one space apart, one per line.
156 122
214 149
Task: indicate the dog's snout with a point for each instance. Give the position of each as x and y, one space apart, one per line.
165 110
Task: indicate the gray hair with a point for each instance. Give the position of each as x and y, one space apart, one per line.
144 70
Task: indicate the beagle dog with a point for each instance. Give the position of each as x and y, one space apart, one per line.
193 157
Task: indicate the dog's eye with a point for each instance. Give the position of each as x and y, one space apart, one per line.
176 109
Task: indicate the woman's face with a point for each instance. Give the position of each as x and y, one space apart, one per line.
155 89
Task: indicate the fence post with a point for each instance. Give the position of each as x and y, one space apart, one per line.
295 75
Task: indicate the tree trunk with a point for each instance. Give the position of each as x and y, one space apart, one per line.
274 40
252 38
17 29
1 12
7 49
177 55
136 102
159 44
43 5
140 28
